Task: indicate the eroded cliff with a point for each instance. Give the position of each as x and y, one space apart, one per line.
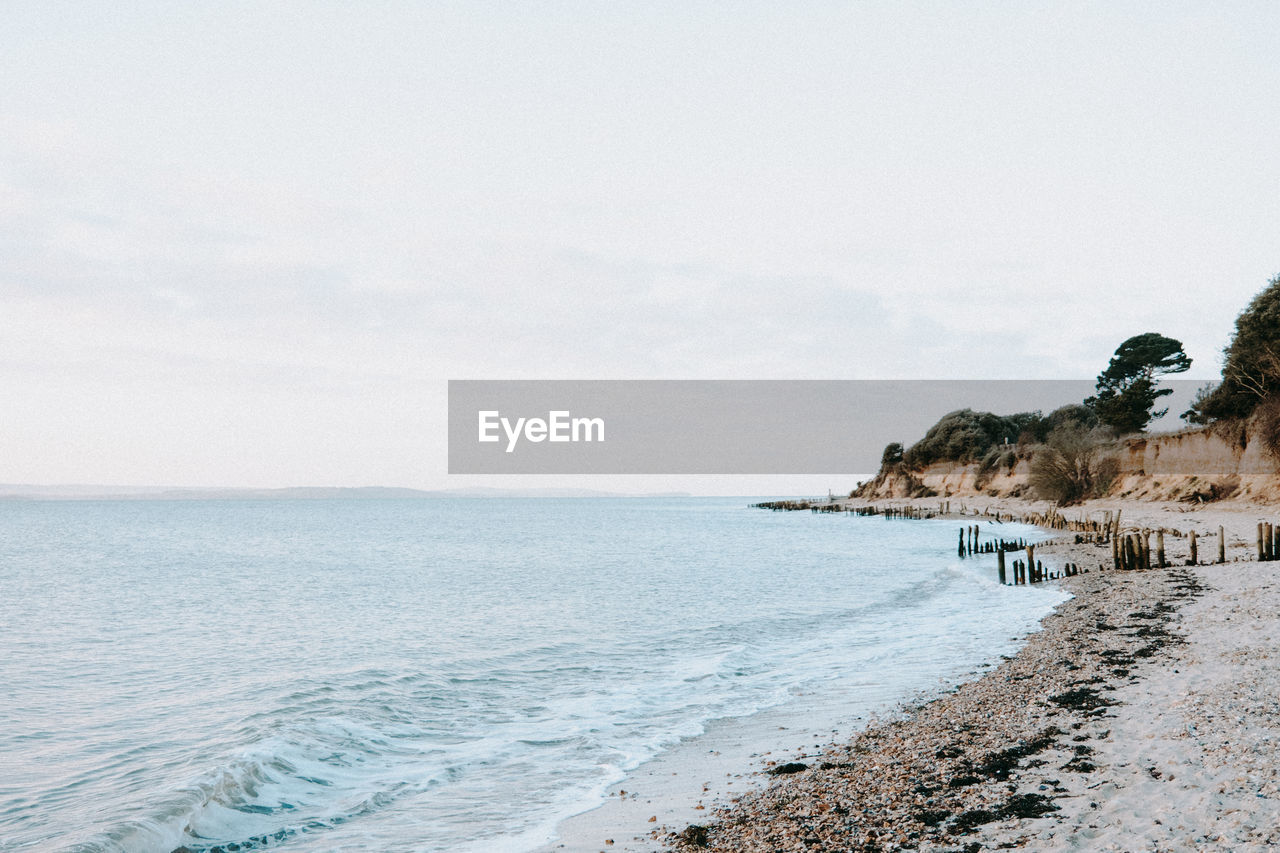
1232 459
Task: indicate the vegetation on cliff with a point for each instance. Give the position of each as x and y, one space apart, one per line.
966 436
1072 465
1251 363
997 442
1073 453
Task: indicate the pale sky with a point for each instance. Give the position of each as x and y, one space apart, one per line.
247 244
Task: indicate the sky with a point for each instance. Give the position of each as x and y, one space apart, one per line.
248 244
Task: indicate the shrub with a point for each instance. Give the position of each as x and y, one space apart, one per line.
1075 413
1072 465
967 436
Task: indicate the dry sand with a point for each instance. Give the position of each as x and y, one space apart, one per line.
1144 716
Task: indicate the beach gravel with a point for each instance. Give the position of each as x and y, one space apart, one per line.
1145 715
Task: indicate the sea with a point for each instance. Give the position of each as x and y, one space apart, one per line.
439 675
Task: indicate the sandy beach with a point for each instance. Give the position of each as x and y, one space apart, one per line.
1144 715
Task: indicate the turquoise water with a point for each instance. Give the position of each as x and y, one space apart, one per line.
435 674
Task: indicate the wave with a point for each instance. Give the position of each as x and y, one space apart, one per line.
308 778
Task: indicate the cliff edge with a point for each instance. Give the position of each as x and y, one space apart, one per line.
1233 459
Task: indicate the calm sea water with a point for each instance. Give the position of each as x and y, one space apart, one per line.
432 675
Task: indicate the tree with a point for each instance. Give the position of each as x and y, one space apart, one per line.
1251 363
892 455
1127 391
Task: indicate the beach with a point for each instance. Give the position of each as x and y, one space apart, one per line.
1142 716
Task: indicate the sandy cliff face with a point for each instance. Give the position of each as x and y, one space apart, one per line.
1218 461
949 478
1224 460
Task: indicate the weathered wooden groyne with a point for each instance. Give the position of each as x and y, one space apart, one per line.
1131 547
1053 518
906 511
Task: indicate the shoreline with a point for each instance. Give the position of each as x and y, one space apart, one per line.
1116 726
687 781
1093 736
684 783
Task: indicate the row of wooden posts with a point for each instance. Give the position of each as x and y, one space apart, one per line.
1130 549
905 511
894 511
970 544
1268 541
1089 530
1026 571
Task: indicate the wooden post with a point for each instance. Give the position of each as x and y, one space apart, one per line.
1195 558
1115 551
1275 542
1262 545
1031 562
1160 547
961 541
1000 564
976 545
1222 544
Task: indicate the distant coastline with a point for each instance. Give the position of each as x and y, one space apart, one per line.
88 492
